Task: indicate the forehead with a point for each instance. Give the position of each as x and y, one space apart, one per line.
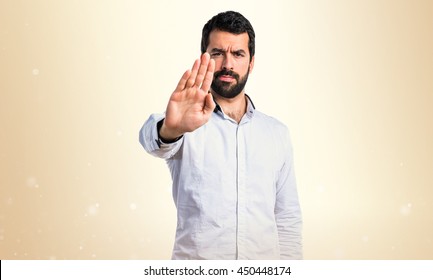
226 40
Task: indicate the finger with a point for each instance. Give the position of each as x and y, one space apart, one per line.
202 70
182 82
209 76
209 105
191 80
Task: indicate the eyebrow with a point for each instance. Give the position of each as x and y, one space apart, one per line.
240 51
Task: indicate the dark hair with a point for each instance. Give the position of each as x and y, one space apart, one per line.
232 22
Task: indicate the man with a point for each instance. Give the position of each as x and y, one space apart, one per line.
232 168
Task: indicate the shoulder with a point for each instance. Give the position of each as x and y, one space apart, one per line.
274 128
271 122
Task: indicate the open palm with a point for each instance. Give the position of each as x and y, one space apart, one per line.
191 105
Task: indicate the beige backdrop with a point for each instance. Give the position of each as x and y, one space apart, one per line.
353 80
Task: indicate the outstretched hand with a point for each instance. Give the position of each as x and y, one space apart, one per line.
191 105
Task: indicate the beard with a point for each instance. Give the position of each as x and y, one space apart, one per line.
226 89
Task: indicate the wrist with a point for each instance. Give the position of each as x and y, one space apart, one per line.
165 134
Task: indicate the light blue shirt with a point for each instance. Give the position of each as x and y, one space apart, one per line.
233 186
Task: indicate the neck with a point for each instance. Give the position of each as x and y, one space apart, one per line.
234 107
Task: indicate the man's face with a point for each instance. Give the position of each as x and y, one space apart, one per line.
232 62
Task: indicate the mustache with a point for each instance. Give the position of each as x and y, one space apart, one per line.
226 73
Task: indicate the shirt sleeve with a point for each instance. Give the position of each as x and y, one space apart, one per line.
151 142
287 209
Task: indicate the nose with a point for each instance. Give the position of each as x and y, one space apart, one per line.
227 62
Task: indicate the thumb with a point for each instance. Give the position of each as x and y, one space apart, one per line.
209 104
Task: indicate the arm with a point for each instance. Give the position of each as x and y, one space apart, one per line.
190 106
152 142
287 209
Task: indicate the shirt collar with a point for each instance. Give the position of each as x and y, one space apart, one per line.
250 107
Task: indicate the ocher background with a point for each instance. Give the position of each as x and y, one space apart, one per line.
353 80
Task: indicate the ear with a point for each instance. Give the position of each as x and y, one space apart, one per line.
251 64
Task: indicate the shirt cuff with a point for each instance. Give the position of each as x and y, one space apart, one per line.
161 140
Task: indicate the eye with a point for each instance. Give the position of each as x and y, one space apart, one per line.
215 54
238 54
